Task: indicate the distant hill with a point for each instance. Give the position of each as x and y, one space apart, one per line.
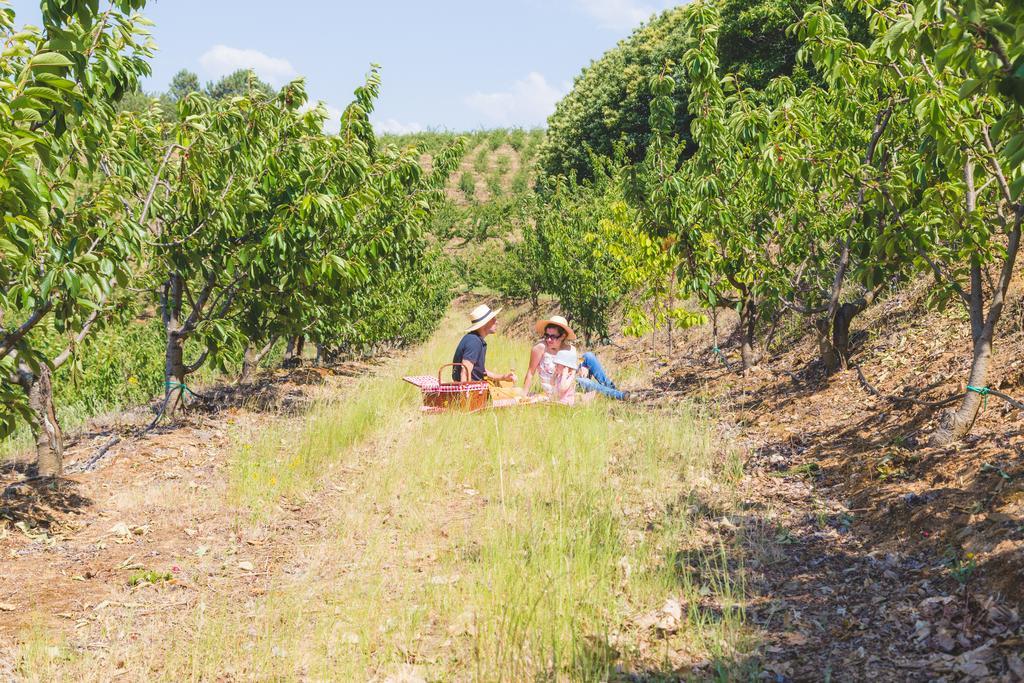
497 163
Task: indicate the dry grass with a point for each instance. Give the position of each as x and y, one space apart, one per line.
506 545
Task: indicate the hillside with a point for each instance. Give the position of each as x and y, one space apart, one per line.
497 162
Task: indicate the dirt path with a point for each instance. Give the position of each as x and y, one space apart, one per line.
360 540
317 527
151 530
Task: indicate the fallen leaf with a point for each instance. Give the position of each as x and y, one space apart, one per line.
794 638
444 580
944 641
1016 666
673 608
246 566
974 663
7 607
408 673
464 624
121 530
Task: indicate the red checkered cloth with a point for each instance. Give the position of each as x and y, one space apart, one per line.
428 383
423 381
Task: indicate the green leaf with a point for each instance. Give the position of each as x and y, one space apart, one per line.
47 59
1016 186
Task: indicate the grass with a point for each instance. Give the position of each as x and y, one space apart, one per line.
505 545
521 181
504 164
467 184
494 185
481 162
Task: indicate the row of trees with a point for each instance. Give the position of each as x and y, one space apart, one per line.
185 82
898 152
238 218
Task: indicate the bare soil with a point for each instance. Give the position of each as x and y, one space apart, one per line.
868 554
71 550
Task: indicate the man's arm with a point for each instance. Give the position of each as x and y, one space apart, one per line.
507 377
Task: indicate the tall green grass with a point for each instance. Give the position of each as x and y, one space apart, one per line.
467 185
481 162
507 545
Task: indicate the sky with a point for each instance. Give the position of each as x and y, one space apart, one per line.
447 65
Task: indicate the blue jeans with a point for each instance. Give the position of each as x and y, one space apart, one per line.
598 380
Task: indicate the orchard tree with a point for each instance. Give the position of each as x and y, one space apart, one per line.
708 206
962 68
220 222
66 240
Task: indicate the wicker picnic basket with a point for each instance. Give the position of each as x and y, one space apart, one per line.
458 396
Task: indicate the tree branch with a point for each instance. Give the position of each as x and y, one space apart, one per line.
14 337
189 369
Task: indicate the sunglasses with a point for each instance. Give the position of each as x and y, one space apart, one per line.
553 337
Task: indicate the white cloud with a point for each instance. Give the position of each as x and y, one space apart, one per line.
333 123
221 60
621 14
527 103
396 127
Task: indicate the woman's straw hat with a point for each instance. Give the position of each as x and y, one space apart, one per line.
480 316
556 321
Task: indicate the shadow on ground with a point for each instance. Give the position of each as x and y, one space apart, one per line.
39 502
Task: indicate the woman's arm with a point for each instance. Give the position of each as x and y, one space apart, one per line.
536 353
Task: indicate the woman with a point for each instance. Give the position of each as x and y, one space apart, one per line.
558 337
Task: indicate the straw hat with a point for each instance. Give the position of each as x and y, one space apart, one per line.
480 316
556 321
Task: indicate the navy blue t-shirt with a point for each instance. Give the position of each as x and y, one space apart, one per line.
474 349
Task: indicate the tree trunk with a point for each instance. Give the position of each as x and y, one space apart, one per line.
174 373
841 330
49 437
671 308
174 356
748 321
826 350
289 349
249 363
956 423
253 357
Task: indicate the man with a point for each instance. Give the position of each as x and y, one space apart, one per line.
472 350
